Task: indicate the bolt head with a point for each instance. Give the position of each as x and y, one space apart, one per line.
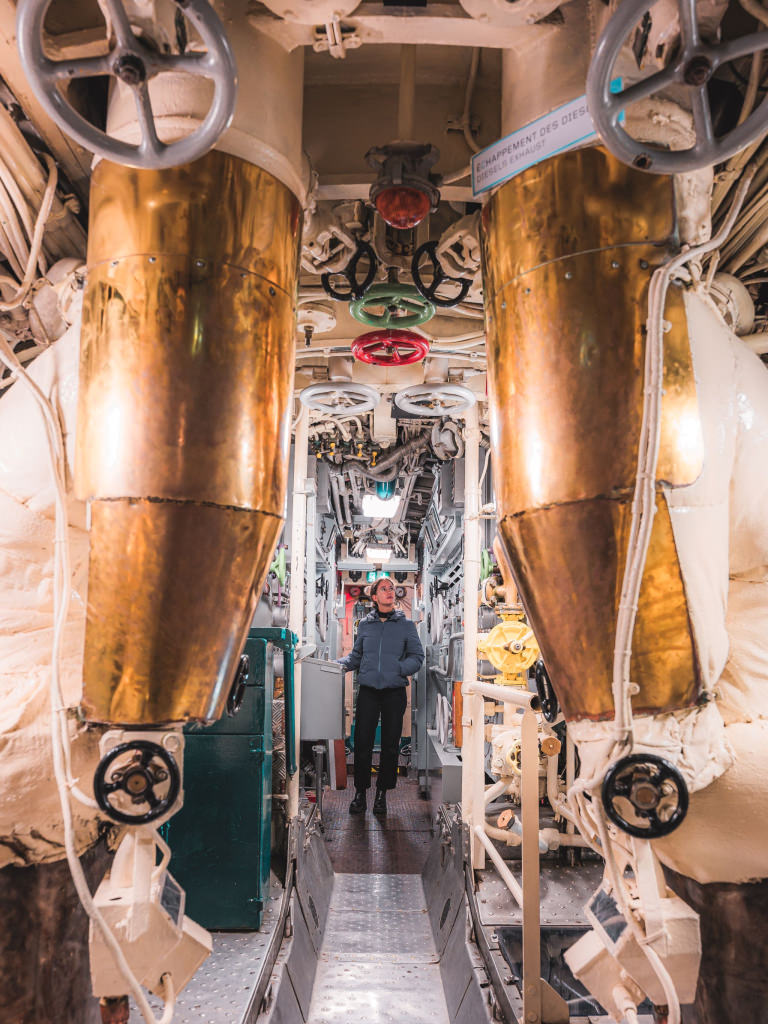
130 69
698 70
645 795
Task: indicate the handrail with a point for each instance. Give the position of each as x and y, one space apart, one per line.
287 642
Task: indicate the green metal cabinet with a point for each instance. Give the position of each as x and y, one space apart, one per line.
221 838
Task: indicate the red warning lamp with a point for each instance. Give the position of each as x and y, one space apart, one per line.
402 207
405 190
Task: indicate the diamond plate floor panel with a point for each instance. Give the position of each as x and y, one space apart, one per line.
354 993
377 892
378 963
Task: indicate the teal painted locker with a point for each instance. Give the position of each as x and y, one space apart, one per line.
221 838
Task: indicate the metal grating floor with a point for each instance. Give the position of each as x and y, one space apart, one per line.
221 990
378 963
363 844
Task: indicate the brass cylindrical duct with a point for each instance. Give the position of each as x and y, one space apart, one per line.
183 426
569 247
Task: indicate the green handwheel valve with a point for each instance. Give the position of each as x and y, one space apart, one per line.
392 306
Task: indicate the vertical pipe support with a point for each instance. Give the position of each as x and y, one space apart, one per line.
570 772
473 725
298 559
406 98
530 842
311 561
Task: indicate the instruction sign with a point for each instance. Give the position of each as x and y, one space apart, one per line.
556 132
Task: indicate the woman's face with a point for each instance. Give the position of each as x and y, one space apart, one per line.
384 598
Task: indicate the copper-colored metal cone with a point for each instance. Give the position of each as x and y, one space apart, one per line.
183 426
219 208
187 341
171 593
566 274
186 376
569 561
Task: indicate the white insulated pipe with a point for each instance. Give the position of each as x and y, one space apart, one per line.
507 694
296 604
506 875
495 790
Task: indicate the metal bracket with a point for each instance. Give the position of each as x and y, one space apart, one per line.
336 39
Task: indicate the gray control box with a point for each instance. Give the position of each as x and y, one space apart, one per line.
322 700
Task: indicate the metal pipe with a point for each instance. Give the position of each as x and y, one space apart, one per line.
549 838
310 595
354 483
336 499
296 606
555 839
291 729
473 722
393 460
466 116
516 828
318 749
405 497
570 775
556 798
507 694
503 835
504 873
495 790
406 99
553 791
529 800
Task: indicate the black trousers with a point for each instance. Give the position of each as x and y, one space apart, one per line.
390 704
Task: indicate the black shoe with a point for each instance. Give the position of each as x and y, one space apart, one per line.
380 803
358 803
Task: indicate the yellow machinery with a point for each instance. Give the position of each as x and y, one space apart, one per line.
510 647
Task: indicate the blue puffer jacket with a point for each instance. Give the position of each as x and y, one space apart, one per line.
385 653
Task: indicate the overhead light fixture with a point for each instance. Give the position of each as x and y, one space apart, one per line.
380 508
378 555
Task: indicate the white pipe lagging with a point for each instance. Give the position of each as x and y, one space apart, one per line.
549 838
506 694
495 790
513 835
504 873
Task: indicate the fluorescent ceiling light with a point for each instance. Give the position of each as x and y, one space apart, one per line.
378 555
380 508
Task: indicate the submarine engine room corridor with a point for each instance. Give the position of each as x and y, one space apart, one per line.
383 488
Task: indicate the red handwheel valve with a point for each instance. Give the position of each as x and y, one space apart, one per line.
390 347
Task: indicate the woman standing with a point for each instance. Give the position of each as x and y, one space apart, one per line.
387 650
